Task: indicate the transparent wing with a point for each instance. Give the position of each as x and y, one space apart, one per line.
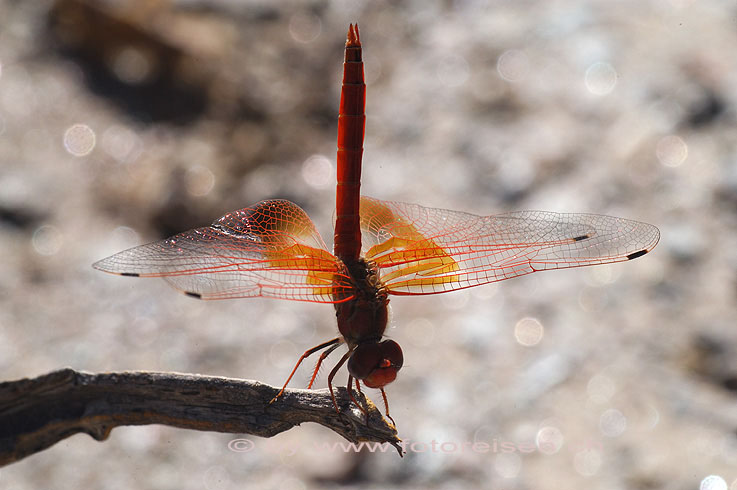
271 249
421 250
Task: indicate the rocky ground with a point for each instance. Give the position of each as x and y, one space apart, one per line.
125 122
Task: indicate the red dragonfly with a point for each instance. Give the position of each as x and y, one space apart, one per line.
382 248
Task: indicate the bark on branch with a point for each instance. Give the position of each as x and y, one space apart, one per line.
37 413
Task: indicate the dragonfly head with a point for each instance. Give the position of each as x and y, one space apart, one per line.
376 363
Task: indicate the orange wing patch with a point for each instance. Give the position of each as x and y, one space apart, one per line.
403 248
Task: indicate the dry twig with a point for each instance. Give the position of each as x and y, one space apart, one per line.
37 413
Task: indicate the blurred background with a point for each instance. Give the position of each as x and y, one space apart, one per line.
123 122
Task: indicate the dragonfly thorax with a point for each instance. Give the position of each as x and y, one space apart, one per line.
363 318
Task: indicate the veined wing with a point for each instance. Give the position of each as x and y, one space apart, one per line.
271 249
421 250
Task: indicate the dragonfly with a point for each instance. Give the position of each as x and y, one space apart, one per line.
381 249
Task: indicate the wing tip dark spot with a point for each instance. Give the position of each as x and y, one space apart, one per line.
639 253
194 295
130 274
581 237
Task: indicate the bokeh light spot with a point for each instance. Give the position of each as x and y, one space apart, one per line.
603 275
549 440
199 180
453 71
79 140
713 482
47 240
671 151
121 143
133 65
513 65
305 28
600 78
612 423
528 331
317 172
216 478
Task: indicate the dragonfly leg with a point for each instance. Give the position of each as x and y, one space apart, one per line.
323 356
332 375
335 342
386 406
350 394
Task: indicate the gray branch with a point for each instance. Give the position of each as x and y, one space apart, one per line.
37 413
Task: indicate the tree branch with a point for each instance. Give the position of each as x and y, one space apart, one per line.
37 413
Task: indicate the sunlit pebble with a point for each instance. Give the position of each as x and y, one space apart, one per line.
549 440
508 465
453 71
587 462
601 388
133 65
528 331
79 140
513 65
216 478
305 28
317 172
47 240
671 151
199 180
612 423
714 482
600 78
121 143
420 331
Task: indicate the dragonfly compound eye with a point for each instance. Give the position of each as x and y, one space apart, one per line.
376 364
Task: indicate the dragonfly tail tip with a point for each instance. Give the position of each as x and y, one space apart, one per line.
354 38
